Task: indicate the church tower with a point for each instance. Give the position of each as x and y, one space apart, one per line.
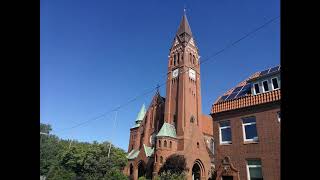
183 102
177 125
183 115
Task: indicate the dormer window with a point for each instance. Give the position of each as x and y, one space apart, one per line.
275 84
256 88
265 86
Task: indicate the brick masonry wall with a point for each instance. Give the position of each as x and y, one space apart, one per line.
267 149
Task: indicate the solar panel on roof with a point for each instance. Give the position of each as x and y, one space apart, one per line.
246 87
224 97
231 96
264 72
237 89
274 69
242 93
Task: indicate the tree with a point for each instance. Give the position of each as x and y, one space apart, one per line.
82 160
49 149
90 161
115 174
175 164
168 175
57 173
142 178
45 128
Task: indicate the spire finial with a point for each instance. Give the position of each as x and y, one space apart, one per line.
157 87
184 9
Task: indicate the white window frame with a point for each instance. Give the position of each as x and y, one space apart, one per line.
254 88
267 85
277 82
220 134
244 131
253 166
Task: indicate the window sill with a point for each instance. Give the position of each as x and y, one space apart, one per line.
250 142
225 143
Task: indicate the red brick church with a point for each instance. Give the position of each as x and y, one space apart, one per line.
175 124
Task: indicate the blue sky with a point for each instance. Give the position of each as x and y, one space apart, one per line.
95 55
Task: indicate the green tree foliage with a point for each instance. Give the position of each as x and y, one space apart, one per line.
142 178
65 159
168 175
57 172
174 168
175 163
45 128
49 149
91 160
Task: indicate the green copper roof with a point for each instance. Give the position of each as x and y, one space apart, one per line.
167 130
141 113
140 116
148 150
133 154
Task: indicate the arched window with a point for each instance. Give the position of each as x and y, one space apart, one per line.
190 57
165 143
193 59
170 145
178 58
161 159
159 143
198 145
174 60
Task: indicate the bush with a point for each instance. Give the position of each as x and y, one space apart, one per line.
58 173
175 163
115 174
168 175
142 178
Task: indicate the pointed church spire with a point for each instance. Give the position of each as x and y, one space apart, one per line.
141 114
184 33
184 25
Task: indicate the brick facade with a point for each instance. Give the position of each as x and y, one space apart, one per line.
267 149
176 125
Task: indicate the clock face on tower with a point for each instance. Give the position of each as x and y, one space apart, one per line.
192 74
175 73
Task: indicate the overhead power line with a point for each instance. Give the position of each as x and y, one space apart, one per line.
159 85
